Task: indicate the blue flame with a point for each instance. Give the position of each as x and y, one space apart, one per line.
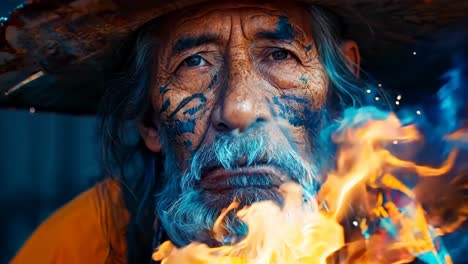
442 115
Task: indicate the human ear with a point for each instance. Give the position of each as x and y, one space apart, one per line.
150 136
350 50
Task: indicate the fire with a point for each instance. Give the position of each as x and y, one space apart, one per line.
367 174
296 233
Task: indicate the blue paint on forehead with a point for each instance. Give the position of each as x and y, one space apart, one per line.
284 31
308 47
285 28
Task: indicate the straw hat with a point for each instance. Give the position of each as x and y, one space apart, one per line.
56 55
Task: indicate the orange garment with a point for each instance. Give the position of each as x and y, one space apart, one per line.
90 229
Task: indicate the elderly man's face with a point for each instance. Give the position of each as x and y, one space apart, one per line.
225 68
237 97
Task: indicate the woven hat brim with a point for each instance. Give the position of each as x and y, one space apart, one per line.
57 55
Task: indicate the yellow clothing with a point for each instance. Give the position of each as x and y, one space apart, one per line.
90 229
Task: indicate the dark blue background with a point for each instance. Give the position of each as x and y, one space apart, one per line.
45 160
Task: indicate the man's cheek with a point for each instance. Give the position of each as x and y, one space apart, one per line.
300 120
296 110
180 110
186 122
186 144
317 88
186 97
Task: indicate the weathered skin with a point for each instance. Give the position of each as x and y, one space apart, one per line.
257 63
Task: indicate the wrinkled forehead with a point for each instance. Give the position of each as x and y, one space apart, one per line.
217 18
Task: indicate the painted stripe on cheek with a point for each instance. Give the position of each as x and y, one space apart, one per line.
165 106
213 81
296 117
187 126
163 89
187 143
187 100
194 110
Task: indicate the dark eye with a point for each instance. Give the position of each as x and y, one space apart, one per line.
194 61
280 54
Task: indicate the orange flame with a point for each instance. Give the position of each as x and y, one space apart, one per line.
310 232
297 233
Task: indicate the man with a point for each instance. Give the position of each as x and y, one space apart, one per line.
229 99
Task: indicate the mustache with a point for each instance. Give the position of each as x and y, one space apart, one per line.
188 211
251 148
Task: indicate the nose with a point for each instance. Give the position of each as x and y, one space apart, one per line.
243 102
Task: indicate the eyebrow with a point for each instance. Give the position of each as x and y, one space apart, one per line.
284 31
186 43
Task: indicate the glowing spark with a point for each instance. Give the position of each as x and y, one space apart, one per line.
398 97
418 112
368 91
24 82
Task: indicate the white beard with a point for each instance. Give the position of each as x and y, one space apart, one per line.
188 212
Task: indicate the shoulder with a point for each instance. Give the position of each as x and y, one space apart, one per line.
89 229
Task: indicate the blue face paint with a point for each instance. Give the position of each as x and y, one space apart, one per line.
187 143
213 81
296 121
165 106
193 110
187 100
303 80
163 89
284 31
301 116
308 47
178 126
187 126
285 28
294 98
280 105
